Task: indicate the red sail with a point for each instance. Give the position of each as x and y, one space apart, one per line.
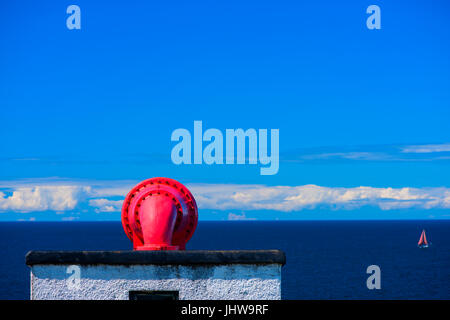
424 238
421 238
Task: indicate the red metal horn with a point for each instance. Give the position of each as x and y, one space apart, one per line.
159 214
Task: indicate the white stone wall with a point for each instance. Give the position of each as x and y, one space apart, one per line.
105 282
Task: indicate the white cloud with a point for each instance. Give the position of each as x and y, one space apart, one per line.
105 205
389 153
427 148
69 218
286 198
42 198
370 156
107 196
237 217
61 195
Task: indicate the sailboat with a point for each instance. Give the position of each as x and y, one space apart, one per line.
423 243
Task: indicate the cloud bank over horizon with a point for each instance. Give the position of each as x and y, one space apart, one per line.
107 196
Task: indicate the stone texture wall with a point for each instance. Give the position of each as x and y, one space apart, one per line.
196 282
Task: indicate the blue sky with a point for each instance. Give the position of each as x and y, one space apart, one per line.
86 114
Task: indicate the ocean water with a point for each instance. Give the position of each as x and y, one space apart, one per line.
325 259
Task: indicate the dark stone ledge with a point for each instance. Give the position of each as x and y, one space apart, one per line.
189 257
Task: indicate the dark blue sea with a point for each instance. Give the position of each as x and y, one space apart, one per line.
325 259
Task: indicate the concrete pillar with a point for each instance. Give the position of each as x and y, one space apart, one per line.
156 275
